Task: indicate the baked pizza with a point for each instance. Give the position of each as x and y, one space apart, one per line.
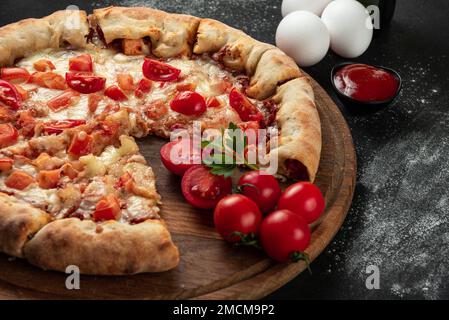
75 91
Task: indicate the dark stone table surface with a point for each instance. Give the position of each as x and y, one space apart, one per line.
399 220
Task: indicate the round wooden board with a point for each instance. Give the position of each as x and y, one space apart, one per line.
209 268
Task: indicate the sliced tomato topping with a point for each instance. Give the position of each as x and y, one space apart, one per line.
115 93
48 179
186 87
189 103
9 95
85 83
58 126
8 135
213 102
26 123
179 155
43 65
24 94
93 101
108 208
82 144
82 63
158 71
246 110
202 189
15 74
19 180
6 164
125 81
48 79
64 100
144 86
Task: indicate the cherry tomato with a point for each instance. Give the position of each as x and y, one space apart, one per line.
179 155
108 208
284 236
57 126
144 86
159 71
8 135
237 219
9 95
64 100
85 83
246 110
261 187
189 103
82 62
115 93
44 65
81 144
202 189
15 74
49 80
304 199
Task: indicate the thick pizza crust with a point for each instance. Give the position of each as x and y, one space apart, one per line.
111 248
24 37
299 125
171 34
18 222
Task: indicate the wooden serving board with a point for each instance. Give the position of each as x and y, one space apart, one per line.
209 268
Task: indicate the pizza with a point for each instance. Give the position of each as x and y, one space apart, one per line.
75 92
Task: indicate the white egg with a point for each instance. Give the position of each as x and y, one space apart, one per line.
314 6
304 37
350 27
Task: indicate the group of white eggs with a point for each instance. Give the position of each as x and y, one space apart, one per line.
345 26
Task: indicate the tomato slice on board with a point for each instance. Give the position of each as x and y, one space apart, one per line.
203 189
144 86
48 179
125 81
115 93
82 63
19 180
108 208
85 83
58 126
189 103
6 164
246 110
179 155
8 135
9 95
43 65
15 74
81 144
158 71
62 101
48 79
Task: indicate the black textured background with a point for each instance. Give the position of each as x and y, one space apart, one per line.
399 218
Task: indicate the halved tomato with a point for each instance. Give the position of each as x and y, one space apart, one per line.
64 100
6 164
143 87
44 65
58 126
82 62
82 144
115 93
15 74
246 110
85 83
203 189
189 103
8 135
108 208
19 180
179 155
9 95
48 79
158 71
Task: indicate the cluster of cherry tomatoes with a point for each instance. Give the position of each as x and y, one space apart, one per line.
260 214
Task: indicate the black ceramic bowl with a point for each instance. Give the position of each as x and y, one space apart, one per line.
358 106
